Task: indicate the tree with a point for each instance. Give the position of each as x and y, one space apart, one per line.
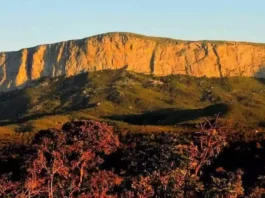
64 163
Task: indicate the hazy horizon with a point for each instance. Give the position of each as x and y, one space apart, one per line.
61 20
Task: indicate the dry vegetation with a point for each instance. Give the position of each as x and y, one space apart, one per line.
91 159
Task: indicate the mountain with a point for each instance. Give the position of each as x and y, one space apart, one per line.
142 54
129 123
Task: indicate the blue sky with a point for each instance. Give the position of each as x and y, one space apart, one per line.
26 23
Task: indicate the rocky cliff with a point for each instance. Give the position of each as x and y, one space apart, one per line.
150 55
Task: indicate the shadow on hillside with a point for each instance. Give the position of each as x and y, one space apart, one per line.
260 75
15 106
49 96
171 116
37 116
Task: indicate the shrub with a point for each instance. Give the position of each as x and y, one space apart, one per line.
228 185
70 163
65 162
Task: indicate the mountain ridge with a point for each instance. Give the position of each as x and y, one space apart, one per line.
139 53
140 35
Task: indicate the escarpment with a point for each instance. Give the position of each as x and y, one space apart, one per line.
149 55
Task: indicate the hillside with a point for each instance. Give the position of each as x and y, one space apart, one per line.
130 100
142 54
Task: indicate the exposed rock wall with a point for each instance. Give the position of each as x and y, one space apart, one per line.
142 54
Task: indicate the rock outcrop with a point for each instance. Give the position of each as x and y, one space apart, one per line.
150 55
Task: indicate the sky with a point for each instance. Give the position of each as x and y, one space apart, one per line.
27 23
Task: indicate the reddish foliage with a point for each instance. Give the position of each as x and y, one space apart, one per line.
65 162
69 163
7 187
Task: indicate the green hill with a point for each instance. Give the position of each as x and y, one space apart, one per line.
130 100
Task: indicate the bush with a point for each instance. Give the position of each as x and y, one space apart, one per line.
229 184
64 162
71 162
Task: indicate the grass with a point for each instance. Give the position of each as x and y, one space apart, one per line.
135 102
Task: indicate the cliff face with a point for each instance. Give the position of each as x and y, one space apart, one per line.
139 53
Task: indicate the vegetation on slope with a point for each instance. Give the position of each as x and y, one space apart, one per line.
130 100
